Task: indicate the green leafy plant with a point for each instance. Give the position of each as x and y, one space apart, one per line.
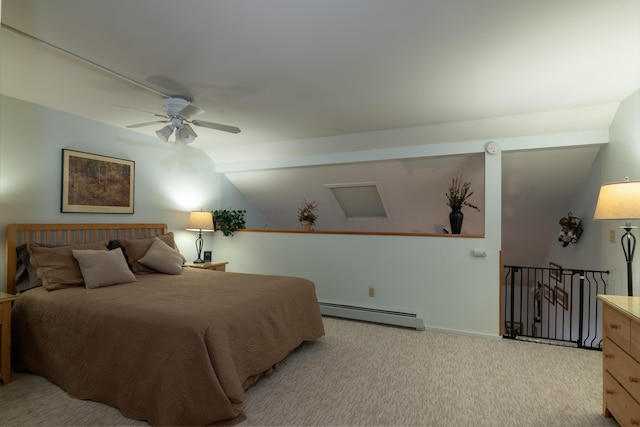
307 212
459 193
229 220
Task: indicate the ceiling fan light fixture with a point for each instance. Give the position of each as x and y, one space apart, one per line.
165 133
185 134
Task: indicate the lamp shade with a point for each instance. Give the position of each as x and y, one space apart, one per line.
200 221
165 133
185 135
619 200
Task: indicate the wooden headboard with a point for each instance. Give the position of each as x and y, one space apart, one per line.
69 234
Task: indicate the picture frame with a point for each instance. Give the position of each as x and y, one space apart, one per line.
92 183
517 328
549 294
555 271
562 298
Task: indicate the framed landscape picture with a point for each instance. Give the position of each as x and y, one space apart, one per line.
555 271
96 184
549 294
562 298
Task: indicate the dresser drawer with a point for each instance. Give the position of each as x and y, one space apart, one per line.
635 340
622 367
619 403
616 326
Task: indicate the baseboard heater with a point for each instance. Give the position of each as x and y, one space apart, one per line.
396 318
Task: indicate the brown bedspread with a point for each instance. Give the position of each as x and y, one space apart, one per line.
173 350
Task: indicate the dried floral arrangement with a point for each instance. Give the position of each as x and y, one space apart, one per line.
307 212
459 193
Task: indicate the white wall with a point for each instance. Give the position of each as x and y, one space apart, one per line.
587 252
232 199
618 159
435 276
169 181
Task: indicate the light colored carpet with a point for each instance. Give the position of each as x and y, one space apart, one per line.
372 375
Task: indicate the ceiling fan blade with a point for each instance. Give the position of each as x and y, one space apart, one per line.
217 126
189 111
138 109
139 125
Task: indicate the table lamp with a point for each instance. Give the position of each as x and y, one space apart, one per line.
200 221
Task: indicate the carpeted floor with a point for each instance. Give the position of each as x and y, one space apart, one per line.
372 375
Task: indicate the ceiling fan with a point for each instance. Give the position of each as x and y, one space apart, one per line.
179 111
178 114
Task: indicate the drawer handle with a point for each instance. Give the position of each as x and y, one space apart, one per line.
609 356
635 422
634 379
610 391
614 326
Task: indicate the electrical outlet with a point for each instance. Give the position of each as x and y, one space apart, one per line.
612 236
372 292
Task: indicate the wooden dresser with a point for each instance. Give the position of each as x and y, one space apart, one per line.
621 358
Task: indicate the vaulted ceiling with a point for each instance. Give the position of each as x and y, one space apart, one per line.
295 74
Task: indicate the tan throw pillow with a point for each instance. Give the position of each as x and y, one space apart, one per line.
103 268
136 249
163 258
56 267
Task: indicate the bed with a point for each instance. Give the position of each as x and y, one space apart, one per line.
172 349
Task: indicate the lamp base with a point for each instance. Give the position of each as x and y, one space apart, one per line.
628 250
199 248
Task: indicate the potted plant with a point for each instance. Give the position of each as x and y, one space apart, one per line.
307 215
229 220
457 196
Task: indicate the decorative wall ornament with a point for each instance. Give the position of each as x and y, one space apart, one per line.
571 230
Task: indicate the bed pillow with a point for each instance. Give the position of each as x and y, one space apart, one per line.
114 244
26 274
103 268
162 258
56 266
136 249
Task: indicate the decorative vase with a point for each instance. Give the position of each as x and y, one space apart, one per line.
306 225
455 219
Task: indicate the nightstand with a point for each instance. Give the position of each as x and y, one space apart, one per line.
218 266
5 336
